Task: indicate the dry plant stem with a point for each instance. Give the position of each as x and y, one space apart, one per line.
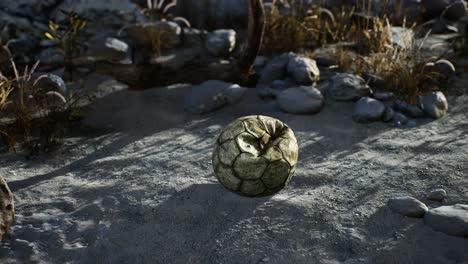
145 75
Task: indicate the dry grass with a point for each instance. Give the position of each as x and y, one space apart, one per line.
37 116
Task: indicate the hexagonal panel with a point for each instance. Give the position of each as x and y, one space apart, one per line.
252 188
273 153
272 125
227 178
231 131
248 166
276 174
248 143
255 127
290 150
228 151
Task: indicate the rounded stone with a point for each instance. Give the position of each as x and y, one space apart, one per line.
255 156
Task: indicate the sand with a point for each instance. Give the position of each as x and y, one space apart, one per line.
138 187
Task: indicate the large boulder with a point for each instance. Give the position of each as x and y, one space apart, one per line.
368 110
451 220
434 104
300 100
303 70
212 95
348 87
407 206
221 42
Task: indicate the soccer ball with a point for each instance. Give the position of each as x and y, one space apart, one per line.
255 156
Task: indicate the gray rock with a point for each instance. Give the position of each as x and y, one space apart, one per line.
143 33
411 124
23 45
452 9
399 119
407 206
260 61
194 37
50 56
348 87
401 37
300 100
274 70
221 42
451 220
388 114
408 109
383 96
437 195
267 92
434 104
212 95
280 84
111 49
368 110
303 70
51 82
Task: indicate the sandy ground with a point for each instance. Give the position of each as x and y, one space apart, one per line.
139 188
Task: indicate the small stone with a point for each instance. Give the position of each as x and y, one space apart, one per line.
221 42
300 100
51 82
382 96
411 124
368 110
303 70
434 104
348 87
408 109
399 119
279 84
437 195
407 206
451 220
388 114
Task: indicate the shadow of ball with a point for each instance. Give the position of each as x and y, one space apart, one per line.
255 156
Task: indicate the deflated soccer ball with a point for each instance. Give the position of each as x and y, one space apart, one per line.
255 156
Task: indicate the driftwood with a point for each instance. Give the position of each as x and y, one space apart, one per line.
146 75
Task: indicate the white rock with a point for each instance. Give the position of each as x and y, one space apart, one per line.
303 70
452 220
212 95
221 42
108 48
300 100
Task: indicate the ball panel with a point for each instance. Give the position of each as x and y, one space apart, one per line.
290 150
228 151
252 188
273 153
231 131
215 159
248 143
291 174
276 174
248 166
273 126
227 178
255 127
